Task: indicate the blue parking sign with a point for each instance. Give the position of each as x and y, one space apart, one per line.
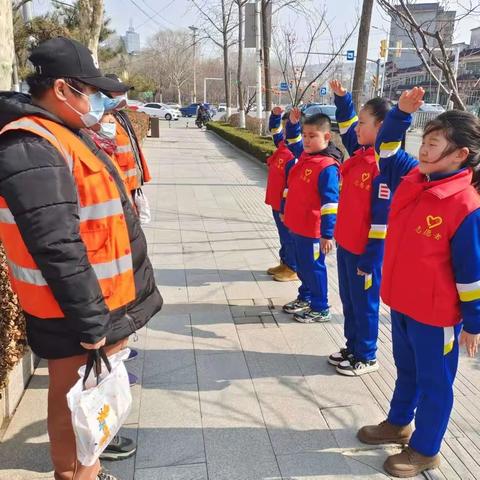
323 91
284 87
350 55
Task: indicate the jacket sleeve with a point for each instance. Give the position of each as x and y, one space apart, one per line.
39 190
347 121
328 187
275 128
293 132
380 204
394 162
466 266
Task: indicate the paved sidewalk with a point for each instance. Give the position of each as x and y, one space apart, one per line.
232 389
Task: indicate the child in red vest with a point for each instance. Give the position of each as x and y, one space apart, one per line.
276 181
431 275
360 232
310 213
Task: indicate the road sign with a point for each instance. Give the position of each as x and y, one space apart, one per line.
323 91
351 55
284 87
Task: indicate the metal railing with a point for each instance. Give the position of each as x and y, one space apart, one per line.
420 119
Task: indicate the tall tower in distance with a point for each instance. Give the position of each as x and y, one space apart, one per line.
131 40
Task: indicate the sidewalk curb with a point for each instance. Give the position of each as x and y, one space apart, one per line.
247 155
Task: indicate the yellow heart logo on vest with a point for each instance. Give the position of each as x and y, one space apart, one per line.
365 176
433 222
308 172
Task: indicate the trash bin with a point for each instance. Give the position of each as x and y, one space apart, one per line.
154 127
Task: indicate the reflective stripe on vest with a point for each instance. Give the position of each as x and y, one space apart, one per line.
123 149
103 228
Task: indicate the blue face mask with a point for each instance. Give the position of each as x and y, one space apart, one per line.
108 130
97 110
115 103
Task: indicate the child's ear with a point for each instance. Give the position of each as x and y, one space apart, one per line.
328 136
462 154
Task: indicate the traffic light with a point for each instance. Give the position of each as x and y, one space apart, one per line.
398 49
383 48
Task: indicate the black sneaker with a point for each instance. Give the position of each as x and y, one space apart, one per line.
356 368
296 306
119 448
311 316
103 475
338 357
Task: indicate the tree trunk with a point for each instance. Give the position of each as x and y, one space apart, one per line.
91 21
6 45
226 63
362 50
241 106
179 95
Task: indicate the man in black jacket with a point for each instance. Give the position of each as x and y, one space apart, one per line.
40 191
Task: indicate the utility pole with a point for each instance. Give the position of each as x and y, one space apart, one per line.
6 45
362 50
258 47
194 32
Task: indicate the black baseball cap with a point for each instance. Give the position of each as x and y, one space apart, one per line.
125 87
63 57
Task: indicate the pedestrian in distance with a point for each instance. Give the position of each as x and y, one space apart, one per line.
360 232
310 212
431 275
76 252
276 184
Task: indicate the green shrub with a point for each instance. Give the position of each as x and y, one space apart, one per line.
260 147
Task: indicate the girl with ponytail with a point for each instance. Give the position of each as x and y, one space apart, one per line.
431 275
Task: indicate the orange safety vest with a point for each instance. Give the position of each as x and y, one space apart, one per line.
103 228
125 159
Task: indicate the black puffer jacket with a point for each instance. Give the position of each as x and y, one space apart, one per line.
41 194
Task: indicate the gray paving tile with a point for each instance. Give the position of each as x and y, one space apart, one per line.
182 472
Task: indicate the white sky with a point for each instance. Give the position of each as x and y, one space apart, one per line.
175 14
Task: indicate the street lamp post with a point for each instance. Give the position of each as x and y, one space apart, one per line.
194 32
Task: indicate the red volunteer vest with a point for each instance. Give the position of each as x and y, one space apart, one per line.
418 278
276 175
302 209
354 207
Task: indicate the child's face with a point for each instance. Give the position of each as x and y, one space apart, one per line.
367 127
314 140
433 147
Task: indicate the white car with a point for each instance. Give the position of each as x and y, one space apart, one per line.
160 110
222 107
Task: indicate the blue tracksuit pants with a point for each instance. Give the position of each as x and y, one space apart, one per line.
360 297
426 358
287 247
312 272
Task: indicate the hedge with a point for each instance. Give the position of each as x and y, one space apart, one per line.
12 323
260 147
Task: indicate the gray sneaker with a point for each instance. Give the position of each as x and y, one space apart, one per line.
103 475
338 357
311 316
355 368
296 306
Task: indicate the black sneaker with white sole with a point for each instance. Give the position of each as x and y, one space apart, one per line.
354 368
296 306
119 448
338 357
311 316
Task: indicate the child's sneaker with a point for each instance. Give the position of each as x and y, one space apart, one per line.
311 316
355 368
296 306
275 270
286 275
338 357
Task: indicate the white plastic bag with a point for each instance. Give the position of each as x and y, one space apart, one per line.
98 411
143 207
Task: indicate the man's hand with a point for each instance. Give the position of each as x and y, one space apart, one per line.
411 100
337 88
326 245
295 115
277 110
94 346
471 342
